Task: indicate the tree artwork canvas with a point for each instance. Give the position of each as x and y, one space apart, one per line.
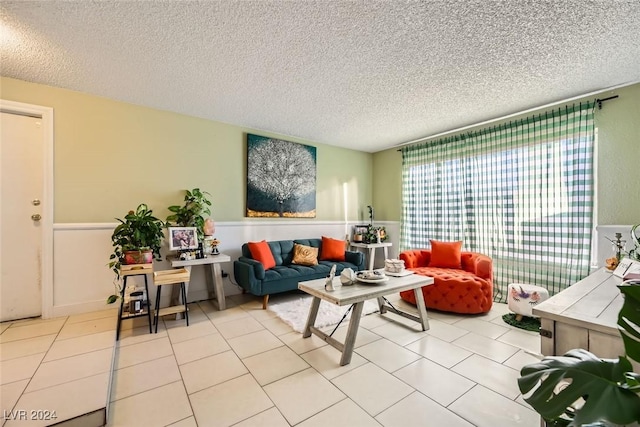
281 178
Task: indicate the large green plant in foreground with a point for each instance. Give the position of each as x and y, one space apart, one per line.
580 388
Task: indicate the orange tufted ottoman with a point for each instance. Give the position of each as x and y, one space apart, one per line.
468 290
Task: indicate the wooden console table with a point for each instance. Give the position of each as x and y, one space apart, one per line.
213 276
371 248
583 316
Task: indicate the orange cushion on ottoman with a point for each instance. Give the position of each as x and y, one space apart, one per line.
454 290
446 254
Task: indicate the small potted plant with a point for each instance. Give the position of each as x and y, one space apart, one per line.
373 233
634 253
136 240
193 212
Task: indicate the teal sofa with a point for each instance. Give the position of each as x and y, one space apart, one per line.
254 279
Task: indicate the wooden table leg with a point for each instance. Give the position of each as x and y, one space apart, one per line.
311 320
352 332
176 297
422 309
219 286
208 276
372 256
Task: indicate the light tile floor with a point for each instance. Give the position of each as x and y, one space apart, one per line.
58 368
245 367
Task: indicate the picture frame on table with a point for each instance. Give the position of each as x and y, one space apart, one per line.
183 238
359 233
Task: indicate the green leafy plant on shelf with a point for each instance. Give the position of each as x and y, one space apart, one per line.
193 212
635 239
138 233
372 234
579 388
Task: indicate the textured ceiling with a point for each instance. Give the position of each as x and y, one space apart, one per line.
361 74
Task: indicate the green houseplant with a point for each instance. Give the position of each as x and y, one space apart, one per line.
579 388
635 239
193 212
372 234
136 240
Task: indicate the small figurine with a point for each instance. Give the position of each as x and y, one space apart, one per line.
328 285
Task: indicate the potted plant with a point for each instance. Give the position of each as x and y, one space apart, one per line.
635 239
193 212
373 232
580 388
136 240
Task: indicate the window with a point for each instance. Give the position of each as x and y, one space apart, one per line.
521 193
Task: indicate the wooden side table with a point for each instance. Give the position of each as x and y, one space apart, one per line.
172 278
213 276
371 249
583 316
127 271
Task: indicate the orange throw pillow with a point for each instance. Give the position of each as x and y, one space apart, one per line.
446 254
332 249
260 251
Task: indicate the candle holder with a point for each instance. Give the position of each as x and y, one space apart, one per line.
618 251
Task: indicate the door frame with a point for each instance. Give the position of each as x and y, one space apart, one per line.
45 114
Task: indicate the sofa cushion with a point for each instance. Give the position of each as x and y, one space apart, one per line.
285 276
306 270
446 254
281 272
260 251
332 249
304 255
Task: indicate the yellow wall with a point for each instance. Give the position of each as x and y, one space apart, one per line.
618 163
110 156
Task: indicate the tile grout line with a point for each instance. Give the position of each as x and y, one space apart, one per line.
226 381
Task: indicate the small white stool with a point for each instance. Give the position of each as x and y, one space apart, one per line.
523 297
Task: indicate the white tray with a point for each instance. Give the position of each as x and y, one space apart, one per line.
401 274
373 281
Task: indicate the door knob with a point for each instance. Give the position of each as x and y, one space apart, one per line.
36 217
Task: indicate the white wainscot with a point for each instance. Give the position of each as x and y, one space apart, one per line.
82 280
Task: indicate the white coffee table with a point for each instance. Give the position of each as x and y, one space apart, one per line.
357 294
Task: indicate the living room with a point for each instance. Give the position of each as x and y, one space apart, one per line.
106 155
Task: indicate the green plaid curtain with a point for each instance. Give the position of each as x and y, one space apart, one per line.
521 193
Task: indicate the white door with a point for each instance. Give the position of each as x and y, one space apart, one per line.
21 187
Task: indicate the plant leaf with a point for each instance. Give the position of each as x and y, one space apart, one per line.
112 299
629 320
598 381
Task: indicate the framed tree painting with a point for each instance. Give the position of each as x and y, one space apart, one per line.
281 178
